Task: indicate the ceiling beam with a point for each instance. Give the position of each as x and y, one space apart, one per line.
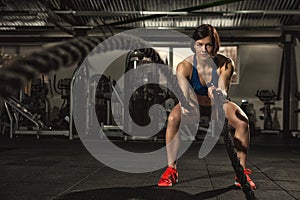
294 19
228 28
167 13
33 39
30 40
188 9
52 17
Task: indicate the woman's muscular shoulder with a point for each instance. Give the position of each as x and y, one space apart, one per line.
225 64
185 67
225 61
222 60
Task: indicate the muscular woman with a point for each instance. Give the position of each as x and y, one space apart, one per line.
205 71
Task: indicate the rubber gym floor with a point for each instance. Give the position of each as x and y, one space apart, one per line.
60 169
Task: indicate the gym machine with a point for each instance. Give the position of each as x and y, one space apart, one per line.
62 87
296 133
108 107
142 98
38 98
268 97
19 112
14 109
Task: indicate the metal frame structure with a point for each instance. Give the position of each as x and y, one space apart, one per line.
61 18
14 108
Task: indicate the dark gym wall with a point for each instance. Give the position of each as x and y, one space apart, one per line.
259 69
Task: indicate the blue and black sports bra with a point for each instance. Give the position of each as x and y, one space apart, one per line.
195 81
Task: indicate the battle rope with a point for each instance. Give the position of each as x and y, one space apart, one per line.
228 138
15 76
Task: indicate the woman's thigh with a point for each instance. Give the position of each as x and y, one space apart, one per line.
235 115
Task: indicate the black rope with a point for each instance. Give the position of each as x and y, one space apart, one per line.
15 76
219 100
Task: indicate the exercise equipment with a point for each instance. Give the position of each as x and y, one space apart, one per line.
268 97
275 121
103 96
30 112
35 101
62 87
143 97
17 108
38 100
108 107
18 111
296 133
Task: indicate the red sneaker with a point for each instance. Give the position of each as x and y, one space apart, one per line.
169 177
246 172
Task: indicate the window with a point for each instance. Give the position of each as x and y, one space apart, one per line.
231 52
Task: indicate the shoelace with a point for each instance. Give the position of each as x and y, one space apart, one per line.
247 171
169 172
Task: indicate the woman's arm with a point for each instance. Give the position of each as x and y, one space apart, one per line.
183 73
225 75
226 72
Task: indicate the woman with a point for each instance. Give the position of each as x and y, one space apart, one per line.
206 66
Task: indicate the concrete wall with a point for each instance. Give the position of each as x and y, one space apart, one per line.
259 67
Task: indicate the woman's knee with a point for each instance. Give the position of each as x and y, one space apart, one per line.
174 120
243 125
242 120
239 122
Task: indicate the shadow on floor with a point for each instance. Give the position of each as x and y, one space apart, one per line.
141 193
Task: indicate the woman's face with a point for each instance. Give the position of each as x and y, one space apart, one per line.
204 48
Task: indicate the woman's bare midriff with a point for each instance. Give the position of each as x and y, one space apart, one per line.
204 100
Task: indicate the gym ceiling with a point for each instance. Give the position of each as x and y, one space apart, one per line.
237 20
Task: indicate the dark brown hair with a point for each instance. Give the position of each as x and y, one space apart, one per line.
203 31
